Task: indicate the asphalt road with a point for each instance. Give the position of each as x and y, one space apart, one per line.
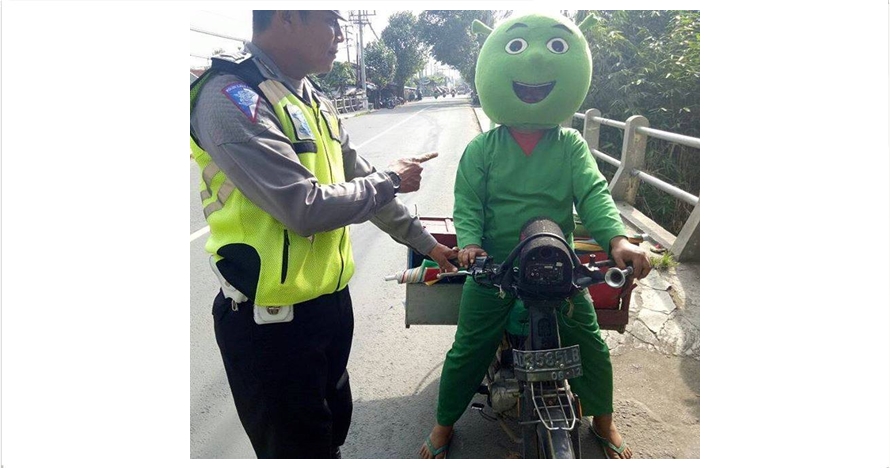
394 371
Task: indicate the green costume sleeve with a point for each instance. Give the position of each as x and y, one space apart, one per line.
592 198
469 195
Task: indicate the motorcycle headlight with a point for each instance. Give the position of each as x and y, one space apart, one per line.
545 263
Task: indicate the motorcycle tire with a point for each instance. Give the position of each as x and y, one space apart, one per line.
554 444
539 442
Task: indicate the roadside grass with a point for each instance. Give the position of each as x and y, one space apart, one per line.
663 261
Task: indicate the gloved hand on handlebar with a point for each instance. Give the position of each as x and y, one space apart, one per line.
441 254
623 252
467 255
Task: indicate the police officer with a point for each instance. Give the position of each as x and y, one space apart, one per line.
280 186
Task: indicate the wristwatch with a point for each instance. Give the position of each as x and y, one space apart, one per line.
396 180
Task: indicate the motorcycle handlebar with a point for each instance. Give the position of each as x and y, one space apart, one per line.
614 277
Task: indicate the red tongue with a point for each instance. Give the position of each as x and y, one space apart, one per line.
527 141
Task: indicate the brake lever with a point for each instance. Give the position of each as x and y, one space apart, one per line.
479 268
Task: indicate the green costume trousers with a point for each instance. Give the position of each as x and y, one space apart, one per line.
483 318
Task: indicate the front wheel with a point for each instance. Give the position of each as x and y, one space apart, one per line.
554 444
538 441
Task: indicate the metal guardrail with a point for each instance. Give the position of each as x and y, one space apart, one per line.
624 185
349 104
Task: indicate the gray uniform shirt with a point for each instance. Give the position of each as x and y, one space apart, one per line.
260 161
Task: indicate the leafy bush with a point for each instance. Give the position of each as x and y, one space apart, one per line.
647 63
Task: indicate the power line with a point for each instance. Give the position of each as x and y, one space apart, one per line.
372 30
210 33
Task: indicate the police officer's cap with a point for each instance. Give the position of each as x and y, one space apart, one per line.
339 14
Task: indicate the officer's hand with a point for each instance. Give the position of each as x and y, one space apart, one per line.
467 255
623 252
441 254
409 170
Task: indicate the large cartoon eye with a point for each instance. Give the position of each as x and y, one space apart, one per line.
516 46
558 45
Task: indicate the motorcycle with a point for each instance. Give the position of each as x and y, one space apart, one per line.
527 381
390 102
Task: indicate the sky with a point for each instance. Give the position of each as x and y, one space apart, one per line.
237 23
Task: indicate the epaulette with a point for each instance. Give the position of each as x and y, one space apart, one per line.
233 57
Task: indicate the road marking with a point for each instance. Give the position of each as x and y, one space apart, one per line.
394 126
200 232
206 229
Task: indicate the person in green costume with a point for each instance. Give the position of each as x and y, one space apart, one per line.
533 72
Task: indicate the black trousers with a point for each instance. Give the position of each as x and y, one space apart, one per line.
289 380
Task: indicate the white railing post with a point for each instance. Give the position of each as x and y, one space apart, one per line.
686 247
633 157
592 129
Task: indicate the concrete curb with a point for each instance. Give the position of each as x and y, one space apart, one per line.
355 114
664 315
482 119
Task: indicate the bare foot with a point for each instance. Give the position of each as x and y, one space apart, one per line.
440 437
606 429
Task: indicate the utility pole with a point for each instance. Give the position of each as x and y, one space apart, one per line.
361 42
346 29
360 17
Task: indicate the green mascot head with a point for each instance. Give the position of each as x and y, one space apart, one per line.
533 71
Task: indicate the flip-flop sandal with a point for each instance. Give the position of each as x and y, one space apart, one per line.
434 452
606 444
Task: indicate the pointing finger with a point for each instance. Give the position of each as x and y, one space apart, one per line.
426 157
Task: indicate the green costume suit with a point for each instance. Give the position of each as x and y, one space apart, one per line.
497 189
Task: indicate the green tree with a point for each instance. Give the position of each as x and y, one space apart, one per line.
380 63
401 35
647 63
452 42
340 77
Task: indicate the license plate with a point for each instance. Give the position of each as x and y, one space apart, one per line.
550 364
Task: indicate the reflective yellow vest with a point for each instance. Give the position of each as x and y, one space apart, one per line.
256 253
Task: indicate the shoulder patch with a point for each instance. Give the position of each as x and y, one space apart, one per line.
245 98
